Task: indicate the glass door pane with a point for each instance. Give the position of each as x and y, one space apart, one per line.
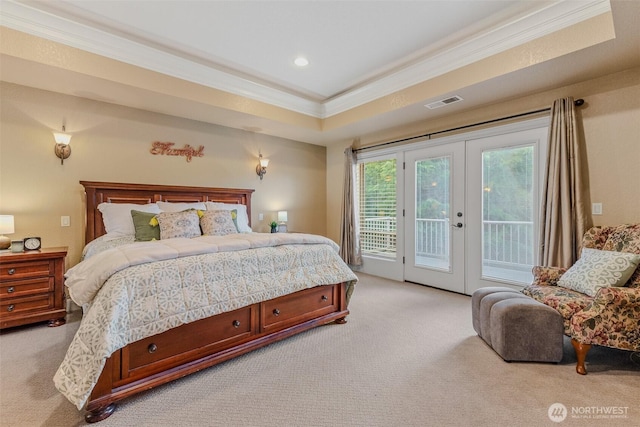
508 209
433 203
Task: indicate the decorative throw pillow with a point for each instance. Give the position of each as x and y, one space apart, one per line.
146 226
217 223
243 217
597 269
179 224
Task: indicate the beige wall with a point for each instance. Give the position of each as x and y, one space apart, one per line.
111 143
611 133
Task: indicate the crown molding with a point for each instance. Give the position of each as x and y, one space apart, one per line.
40 23
546 20
542 22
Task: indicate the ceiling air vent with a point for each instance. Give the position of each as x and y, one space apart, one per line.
451 100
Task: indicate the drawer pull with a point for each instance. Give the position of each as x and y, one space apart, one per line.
236 323
11 271
10 307
10 290
276 312
152 348
324 298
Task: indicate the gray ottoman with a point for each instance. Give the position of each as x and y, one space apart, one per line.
517 327
476 299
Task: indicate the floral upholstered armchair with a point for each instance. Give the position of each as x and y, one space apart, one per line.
599 296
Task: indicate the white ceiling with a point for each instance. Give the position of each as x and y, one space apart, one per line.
359 51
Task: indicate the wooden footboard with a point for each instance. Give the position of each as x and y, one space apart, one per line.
189 348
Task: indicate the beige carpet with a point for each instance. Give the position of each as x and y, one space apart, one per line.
407 357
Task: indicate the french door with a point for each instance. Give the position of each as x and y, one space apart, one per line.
435 216
471 210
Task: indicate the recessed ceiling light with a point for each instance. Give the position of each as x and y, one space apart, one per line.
301 61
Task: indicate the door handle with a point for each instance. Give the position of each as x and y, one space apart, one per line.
458 225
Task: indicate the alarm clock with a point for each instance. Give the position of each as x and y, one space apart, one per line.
32 243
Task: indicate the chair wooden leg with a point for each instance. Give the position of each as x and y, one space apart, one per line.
581 355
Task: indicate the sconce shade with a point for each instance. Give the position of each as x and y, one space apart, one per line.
6 227
282 216
62 149
62 138
264 163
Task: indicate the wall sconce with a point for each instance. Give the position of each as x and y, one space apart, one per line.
261 168
62 149
6 227
282 219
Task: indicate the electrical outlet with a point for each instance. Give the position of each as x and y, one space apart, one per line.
260 216
596 208
65 221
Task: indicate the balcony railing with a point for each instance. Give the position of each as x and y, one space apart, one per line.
506 244
378 236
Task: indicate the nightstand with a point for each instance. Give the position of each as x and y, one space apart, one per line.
32 287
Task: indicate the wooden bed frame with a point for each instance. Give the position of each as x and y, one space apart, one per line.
189 348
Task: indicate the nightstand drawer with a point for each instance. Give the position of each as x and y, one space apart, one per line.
13 307
20 288
25 270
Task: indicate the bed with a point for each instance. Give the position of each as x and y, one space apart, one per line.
157 310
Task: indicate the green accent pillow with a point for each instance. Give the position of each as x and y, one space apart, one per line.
598 269
142 223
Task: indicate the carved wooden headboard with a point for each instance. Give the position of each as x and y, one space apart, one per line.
113 192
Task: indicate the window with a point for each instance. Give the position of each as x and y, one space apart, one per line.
376 183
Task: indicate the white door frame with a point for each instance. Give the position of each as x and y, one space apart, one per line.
394 269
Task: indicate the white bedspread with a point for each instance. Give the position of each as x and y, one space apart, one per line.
138 290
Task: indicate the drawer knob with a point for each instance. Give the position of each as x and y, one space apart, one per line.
10 290
276 312
11 271
324 298
10 307
236 323
152 348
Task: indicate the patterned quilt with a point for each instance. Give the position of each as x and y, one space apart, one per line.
129 294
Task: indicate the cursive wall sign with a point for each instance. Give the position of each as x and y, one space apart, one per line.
166 149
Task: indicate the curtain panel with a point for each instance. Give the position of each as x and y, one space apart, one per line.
349 234
565 214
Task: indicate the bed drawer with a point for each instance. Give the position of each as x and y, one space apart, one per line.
303 305
192 340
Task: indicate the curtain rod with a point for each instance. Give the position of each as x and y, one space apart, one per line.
577 103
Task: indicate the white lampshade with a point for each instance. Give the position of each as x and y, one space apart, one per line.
282 216
6 224
264 162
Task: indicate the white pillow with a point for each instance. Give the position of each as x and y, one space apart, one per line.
180 206
117 216
243 218
598 269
